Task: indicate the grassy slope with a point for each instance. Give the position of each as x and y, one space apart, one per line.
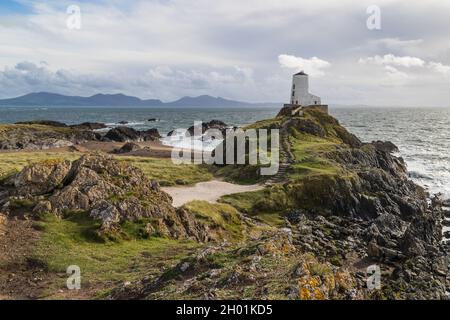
72 242
310 167
167 173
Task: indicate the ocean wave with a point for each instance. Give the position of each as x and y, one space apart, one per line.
182 142
419 175
128 124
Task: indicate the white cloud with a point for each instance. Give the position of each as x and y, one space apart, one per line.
169 48
392 60
439 67
395 76
313 66
396 43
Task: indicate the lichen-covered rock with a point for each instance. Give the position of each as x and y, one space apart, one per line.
111 191
39 179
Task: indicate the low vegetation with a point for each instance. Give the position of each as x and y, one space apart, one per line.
11 162
73 241
168 173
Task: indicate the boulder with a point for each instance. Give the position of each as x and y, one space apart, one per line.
108 190
150 134
122 134
213 124
89 126
385 146
128 147
126 134
39 179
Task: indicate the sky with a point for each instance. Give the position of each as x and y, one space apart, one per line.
378 52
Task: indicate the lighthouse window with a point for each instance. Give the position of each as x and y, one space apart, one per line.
293 93
293 86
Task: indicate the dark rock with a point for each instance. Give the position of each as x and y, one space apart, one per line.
123 134
385 146
308 126
33 137
128 147
213 124
123 122
152 120
89 126
126 134
50 123
150 135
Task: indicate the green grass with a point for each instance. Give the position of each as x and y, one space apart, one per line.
162 170
244 202
6 128
11 162
268 205
221 218
73 241
169 174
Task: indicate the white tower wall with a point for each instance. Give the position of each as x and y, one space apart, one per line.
300 91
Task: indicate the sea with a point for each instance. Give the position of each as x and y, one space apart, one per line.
422 134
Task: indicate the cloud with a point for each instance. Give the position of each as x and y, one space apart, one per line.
313 66
439 67
392 60
395 76
169 48
164 82
395 44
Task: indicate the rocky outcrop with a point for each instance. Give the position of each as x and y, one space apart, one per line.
41 137
50 123
269 267
110 191
213 124
46 134
127 148
89 126
370 208
126 134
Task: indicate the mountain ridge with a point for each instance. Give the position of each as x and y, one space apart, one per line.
121 100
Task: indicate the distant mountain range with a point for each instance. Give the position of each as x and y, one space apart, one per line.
46 99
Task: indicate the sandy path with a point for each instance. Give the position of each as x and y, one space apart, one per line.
209 191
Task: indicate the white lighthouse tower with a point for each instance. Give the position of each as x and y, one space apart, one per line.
300 95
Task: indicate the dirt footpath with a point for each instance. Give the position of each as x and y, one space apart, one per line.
210 191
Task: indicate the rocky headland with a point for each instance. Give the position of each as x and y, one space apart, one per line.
339 207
